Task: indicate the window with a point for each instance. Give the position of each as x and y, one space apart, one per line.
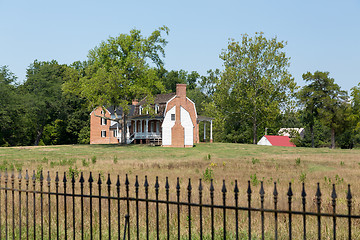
115 133
103 121
140 110
102 112
156 108
172 117
103 133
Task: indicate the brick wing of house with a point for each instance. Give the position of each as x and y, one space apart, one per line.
175 122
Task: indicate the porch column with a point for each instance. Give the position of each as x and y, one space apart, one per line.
211 138
127 131
146 128
204 131
135 122
141 126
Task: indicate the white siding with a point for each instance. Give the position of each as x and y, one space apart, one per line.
264 141
188 126
167 126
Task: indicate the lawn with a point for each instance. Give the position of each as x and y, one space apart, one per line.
217 160
220 161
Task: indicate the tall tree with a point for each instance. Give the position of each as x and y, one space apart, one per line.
8 105
255 83
43 94
119 71
324 99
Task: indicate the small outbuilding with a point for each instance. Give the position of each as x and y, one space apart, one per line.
269 140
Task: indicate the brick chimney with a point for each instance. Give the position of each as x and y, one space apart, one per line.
181 90
135 102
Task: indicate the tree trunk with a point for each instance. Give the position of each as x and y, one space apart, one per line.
123 130
332 138
312 136
254 132
38 137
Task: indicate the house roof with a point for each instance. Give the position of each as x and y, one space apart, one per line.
111 109
160 98
280 141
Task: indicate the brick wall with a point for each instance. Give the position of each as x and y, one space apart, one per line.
177 132
96 128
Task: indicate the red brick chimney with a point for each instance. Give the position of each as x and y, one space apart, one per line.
181 90
135 102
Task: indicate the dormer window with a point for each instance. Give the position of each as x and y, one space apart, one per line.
140 110
156 109
102 112
172 117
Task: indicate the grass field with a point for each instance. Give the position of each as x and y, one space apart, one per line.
217 160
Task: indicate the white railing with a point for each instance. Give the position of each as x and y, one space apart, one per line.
148 135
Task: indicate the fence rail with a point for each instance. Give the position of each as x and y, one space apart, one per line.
32 207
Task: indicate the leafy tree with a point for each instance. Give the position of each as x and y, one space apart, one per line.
43 95
119 70
254 86
8 106
323 99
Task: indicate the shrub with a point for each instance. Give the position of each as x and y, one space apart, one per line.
254 180
85 163
93 159
208 174
302 177
73 172
115 159
297 161
255 160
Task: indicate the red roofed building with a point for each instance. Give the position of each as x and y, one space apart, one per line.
269 140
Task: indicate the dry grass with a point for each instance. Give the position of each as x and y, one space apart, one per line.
225 161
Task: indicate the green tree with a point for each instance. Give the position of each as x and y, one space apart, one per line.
8 106
323 99
43 96
119 70
254 86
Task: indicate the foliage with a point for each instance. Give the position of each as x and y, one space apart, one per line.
323 99
254 86
208 174
119 71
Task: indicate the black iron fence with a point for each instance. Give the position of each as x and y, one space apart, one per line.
72 207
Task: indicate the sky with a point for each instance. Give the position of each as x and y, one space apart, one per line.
321 35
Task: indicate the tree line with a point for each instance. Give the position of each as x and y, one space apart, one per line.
254 91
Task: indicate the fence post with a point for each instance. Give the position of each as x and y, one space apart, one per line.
334 196
318 203
303 196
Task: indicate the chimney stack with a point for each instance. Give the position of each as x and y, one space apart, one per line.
181 90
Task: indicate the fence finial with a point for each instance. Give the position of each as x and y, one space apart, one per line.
349 195
236 188
99 180
262 191
118 181
20 177
318 192
81 178
275 193
146 184
200 185
167 184
189 188
64 179
211 187
249 189
290 192
27 176
333 193
91 180
223 189
136 183
108 182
